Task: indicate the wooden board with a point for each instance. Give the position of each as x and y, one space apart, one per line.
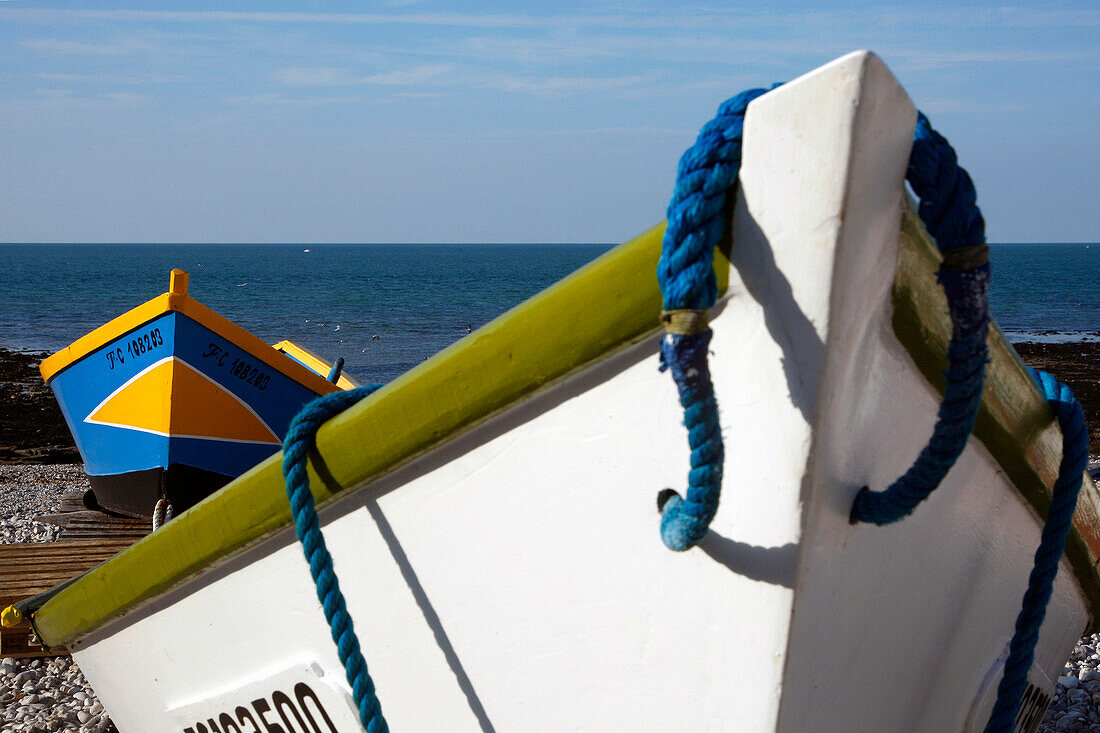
30 568
91 525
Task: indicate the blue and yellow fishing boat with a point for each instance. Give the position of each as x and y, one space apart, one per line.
171 400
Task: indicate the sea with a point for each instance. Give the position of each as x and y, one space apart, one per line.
385 308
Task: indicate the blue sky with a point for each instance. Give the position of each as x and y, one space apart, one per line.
413 121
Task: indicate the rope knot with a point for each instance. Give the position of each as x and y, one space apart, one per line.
685 321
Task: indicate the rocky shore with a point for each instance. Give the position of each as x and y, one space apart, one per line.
32 429
38 463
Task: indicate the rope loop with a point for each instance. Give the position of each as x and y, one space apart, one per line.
950 213
299 439
706 172
685 273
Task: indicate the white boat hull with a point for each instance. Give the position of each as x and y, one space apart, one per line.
514 579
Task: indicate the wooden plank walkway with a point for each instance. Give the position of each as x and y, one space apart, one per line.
86 525
30 568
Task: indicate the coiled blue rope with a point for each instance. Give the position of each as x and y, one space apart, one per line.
299 438
1063 502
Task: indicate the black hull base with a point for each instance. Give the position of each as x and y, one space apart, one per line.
135 494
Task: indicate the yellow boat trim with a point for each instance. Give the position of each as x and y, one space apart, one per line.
537 343
611 302
196 311
314 362
108 332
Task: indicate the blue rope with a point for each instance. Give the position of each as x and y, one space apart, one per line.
298 440
1063 502
685 272
949 212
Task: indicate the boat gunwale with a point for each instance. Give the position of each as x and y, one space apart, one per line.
253 508
302 354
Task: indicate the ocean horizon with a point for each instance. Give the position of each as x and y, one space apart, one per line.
386 307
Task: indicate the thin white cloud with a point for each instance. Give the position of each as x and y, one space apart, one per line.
676 47
498 81
916 60
222 16
560 84
132 79
60 101
534 51
332 76
617 131
279 100
985 16
420 95
60 47
315 77
405 77
124 97
60 77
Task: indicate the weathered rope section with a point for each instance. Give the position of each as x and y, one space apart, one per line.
685 272
1063 502
299 439
949 212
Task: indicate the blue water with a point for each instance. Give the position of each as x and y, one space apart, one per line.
1041 288
331 299
416 299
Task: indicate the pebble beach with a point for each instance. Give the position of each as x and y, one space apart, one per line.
37 466
47 694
